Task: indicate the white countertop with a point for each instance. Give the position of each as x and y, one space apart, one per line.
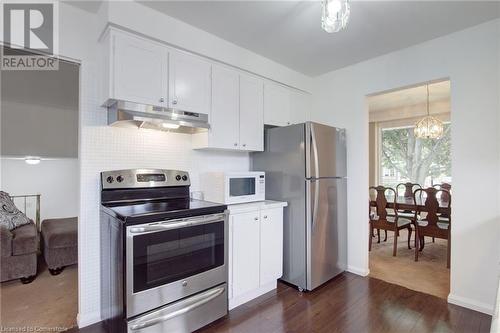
251 206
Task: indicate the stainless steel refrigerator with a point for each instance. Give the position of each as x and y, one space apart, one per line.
305 165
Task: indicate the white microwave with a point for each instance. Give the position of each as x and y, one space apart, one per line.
234 187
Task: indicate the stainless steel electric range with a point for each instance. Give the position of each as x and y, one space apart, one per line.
163 255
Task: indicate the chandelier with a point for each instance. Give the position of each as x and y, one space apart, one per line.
335 15
429 127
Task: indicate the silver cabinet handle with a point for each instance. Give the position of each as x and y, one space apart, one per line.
176 224
191 304
256 218
235 144
174 101
265 216
244 145
162 99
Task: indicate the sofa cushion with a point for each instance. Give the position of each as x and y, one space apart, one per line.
10 216
5 241
59 233
24 240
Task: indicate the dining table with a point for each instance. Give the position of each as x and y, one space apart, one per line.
407 203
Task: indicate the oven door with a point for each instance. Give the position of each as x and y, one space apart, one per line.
169 260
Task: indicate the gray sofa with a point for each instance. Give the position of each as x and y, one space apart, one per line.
60 243
19 253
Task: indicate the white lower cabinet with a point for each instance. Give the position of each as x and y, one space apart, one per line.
255 250
245 263
271 245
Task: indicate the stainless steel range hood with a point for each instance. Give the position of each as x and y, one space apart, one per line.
128 114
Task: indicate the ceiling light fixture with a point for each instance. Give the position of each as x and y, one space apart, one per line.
335 15
429 127
32 160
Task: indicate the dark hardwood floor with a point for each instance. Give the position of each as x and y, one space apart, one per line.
348 303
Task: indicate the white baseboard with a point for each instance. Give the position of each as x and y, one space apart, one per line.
86 319
237 301
358 271
470 304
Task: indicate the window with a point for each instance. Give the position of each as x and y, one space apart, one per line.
403 157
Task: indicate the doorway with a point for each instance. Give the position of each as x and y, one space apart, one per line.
40 175
401 162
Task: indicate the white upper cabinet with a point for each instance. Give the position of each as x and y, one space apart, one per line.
276 104
251 114
300 107
224 116
139 70
189 84
237 115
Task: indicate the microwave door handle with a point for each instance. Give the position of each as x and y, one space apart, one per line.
176 225
196 302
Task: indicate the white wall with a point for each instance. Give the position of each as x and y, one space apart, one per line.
56 180
470 59
105 148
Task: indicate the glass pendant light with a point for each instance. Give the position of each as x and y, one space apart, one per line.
429 127
335 15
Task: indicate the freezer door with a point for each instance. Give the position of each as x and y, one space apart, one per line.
326 230
325 151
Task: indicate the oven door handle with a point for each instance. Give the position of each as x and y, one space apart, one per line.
176 225
191 304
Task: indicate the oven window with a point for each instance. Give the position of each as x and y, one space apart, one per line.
241 186
167 256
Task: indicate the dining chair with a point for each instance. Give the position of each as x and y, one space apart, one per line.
383 218
437 220
408 189
443 186
407 194
445 196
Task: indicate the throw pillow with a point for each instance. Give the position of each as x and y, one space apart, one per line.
10 216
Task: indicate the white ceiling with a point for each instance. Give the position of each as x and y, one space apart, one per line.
438 92
290 33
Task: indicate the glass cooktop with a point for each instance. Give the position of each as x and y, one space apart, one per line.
164 208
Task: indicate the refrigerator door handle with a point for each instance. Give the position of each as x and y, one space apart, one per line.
315 204
315 151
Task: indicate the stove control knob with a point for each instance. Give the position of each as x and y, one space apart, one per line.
119 179
184 178
178 177
109 179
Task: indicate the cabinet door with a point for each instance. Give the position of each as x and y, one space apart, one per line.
251 114
224 116
276 105
271 245
189 88
139 70
245 255
300 107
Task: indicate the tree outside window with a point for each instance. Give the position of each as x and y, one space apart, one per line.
407 158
